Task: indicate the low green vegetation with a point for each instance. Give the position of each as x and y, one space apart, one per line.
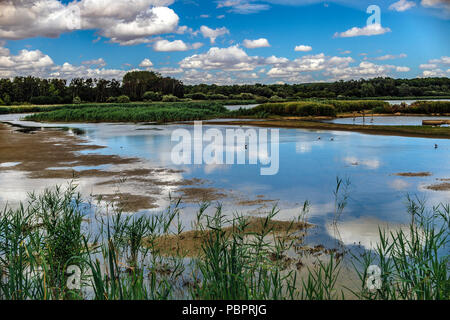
311 108
123 99
295 109
343 106
155 112
335 107
414 263
418 107
48 251
27 109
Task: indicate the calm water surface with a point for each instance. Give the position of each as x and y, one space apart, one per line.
387 121
307 171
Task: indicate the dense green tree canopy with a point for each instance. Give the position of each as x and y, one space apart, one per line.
136 83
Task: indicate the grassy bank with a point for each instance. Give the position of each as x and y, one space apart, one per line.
27 108
280 114
311 108
155 112
334 107
418 107
48 253
404 131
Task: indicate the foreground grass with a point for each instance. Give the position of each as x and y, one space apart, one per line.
47 252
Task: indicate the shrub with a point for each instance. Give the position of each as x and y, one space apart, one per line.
197 96
247 96
2 102
382 110
216 96
169 98
7 99
357 105
275 99
123 99
76 100
296 109
261 99
429 107
152 96
46 100
111 100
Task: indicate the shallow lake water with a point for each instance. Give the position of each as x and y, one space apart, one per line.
309 163
412 101
387 120
243 106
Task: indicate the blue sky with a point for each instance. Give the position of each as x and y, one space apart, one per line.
225 41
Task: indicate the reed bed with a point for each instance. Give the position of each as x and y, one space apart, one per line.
312 108
418 107
356 105
53 247
157 112
300 108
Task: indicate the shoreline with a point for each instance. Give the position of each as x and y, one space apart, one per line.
316 124
51 154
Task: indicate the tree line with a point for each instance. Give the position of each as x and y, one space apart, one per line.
53 91
376 87
151 86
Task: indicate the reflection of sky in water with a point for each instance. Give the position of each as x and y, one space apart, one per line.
387 121
412 101
308 168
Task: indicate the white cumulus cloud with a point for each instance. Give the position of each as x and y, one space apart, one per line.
146 63
176 45
258 43
231 58
391 57
213 34
119 20
303 48
434 67
166 46
369 30
402 5
98 62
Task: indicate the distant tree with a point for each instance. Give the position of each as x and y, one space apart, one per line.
7 99
275 99
169 98
262 99
197 96
123 99
404 90
152 96
367 90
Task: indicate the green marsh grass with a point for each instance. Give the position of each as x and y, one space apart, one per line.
155 112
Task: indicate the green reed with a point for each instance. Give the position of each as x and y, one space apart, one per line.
119 257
